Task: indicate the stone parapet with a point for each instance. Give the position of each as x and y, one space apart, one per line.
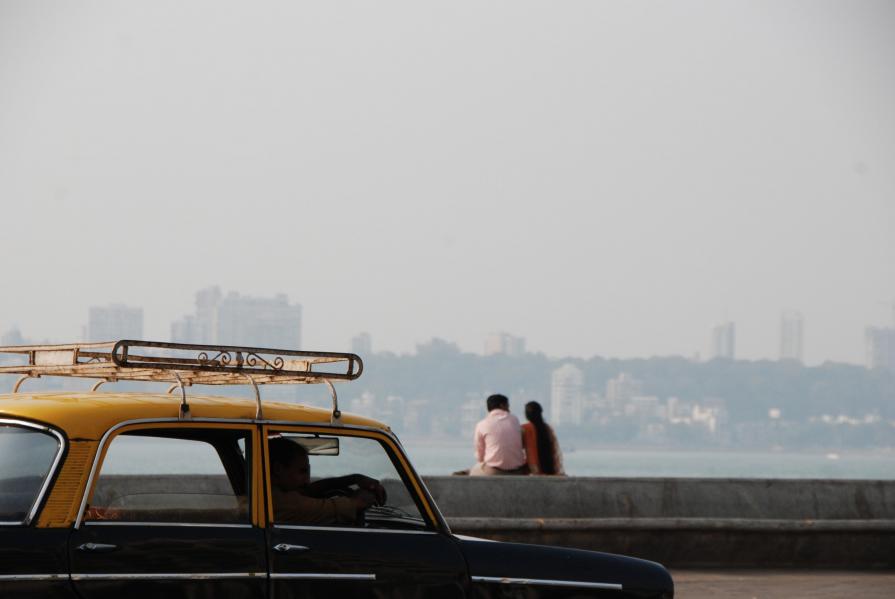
684 522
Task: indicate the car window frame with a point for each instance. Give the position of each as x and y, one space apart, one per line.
61 451
254 490
434 521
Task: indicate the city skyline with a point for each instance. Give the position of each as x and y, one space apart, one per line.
236 318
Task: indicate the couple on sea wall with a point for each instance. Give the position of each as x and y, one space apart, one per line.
502 446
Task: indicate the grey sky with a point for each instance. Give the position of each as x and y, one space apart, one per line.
605 178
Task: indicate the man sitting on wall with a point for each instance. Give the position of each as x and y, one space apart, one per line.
498 441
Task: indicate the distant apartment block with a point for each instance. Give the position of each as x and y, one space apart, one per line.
471 411
622 389
880 347
504 344
792 328
235 319
362 344
13 337
110 323
724 341
567 395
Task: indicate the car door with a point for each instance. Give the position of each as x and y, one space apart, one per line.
172 513
398 549
32 560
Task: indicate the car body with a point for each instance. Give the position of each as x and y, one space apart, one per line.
106 494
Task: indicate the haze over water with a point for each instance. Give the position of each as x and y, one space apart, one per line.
601 178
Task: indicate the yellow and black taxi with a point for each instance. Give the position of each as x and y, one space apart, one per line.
180 495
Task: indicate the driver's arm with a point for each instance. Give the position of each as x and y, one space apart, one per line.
294 507
371 486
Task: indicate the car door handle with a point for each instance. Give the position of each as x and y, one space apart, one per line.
287 548
97 547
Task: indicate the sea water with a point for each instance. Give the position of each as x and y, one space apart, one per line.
444 458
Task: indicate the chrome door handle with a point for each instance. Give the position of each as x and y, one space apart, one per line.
287 548
97 547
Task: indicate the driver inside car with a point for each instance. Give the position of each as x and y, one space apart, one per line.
329 501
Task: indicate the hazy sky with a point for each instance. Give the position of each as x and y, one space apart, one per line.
606 178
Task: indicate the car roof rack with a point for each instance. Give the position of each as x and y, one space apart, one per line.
183 365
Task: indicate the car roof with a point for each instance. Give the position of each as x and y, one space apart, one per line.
89 415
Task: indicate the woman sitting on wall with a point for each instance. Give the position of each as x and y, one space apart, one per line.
541 447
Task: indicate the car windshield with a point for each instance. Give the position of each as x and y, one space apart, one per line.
26 456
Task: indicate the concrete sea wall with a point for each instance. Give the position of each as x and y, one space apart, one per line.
684 522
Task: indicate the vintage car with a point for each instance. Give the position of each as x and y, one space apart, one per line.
172 494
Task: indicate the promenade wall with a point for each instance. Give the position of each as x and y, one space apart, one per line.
680 522
684 522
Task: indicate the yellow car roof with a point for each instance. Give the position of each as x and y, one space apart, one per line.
90 415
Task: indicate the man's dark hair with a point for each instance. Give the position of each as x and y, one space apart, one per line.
283 451
497 401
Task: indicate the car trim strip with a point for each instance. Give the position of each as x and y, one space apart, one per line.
350 529
189 524
60 450
204 576
31 577
548 583
170 576
317 576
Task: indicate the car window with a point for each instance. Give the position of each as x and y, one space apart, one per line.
325 497
26 457
178 476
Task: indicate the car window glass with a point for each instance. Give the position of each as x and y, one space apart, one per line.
333 482
181 476
26 456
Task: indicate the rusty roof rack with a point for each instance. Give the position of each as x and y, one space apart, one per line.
182 364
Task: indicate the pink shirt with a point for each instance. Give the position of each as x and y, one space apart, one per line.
498 441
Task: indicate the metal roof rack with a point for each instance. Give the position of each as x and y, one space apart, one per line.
182 364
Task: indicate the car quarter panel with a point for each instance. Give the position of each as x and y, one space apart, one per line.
503 570
33 563
61 507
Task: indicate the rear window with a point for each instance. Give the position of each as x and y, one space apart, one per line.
182 476
26 458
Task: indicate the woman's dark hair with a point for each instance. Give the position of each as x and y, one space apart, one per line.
534 414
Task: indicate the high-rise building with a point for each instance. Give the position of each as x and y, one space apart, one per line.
566 395
362 344
622 389
724 341
880 347
504 344
792 327
471 411
264 322
202 326
237 319
13 337
117 321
